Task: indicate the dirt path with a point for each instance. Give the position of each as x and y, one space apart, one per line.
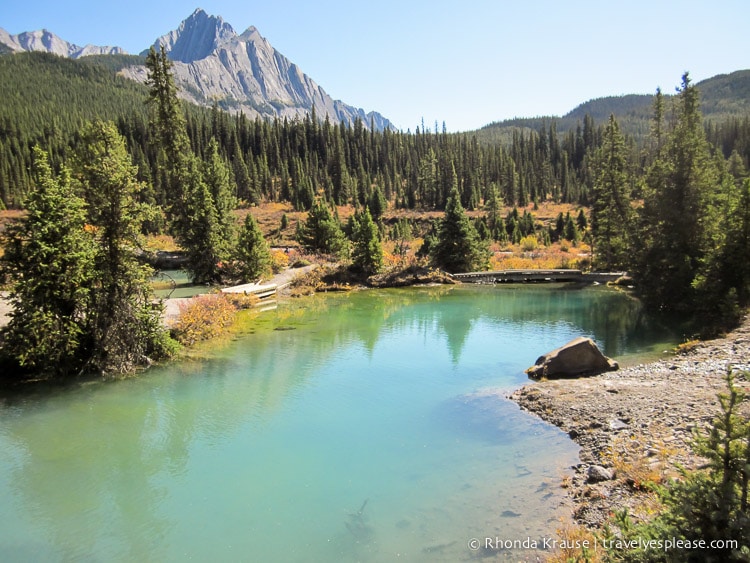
172 306
281 280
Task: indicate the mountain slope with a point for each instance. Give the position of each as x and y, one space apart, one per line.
723 96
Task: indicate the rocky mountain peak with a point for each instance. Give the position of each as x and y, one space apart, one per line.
213 65
196 37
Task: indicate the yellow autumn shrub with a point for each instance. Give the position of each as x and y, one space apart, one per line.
204 317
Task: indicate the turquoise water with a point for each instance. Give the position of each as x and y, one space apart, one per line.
176 283
369 426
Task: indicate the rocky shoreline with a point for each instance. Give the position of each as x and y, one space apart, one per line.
637 422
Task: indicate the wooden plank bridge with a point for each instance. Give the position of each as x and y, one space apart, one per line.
538 276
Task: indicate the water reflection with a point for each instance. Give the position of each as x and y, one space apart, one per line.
324 403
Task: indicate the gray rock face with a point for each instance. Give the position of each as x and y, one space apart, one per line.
195 38
245 73
48 42
580 356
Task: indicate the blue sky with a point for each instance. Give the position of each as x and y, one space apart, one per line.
466 63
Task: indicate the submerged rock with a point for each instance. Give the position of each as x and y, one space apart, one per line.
580 356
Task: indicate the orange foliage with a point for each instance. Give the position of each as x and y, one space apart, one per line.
204 317
279 260
556 256
160 242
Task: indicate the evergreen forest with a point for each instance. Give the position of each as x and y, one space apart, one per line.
666 200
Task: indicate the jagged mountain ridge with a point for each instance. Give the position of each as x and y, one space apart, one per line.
215 65
43 40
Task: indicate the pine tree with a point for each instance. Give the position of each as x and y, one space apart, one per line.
49 258
367 254
458 248
321 232
168 129
253 254
677 221
124 329
611 212
202 235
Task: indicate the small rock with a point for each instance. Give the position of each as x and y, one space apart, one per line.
597 473
617 424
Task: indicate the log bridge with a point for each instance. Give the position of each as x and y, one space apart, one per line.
538 276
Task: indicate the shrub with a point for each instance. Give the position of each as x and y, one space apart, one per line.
204 317
279 260
529 243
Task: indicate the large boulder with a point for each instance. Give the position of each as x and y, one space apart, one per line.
578 357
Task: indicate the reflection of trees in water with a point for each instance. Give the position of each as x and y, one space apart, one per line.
613 318
115 443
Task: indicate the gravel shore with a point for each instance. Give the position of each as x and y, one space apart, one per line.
637 420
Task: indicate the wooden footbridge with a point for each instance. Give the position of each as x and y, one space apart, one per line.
266 294
539 276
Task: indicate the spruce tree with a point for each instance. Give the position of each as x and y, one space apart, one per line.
169 134
678 212
124 329
321 232
253 255
367 254
708 508
492 208
571 231
217 177
611 214
202 236
377 204
458 248
49 259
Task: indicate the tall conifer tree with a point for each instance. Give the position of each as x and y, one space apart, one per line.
458 248
367 255
168 127
253 255
679 197
124 329
49 258
611 211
